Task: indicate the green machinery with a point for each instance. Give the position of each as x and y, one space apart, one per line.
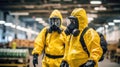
14 57
14 53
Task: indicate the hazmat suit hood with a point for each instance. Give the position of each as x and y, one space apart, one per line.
80 14
56 13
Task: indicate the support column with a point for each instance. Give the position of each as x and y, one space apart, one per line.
16 24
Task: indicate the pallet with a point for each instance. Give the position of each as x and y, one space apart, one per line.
10 62
18 65
118 50
117 58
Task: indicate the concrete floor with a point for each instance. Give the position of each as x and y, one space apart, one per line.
39 64
105 63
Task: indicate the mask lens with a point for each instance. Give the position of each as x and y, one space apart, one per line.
54 21
57 22
51 22
70 21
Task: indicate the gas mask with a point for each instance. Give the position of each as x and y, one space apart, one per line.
72 26
54 23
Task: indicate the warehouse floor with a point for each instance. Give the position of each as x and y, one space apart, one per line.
105 63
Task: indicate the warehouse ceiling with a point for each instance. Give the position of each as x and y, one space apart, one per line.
43 8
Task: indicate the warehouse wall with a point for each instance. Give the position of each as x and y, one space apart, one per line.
113 35
1 15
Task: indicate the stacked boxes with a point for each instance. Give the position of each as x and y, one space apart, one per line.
22 43
31 44
111 51
112 47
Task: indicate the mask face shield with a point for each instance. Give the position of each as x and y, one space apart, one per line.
72 22
54 21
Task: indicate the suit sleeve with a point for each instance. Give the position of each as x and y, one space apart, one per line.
64 39
39 42
93 45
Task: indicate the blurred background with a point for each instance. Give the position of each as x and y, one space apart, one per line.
22 20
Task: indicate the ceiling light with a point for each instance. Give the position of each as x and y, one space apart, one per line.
29 6
93 11
41 21
79 5
92 15
90 19
22 28
8 24
67 0
44 24
100 29
38 19
96 8
55 0
19 13
111 23
100 8
106 26
13 26
33 32
116 21
2 22
95 2
10 38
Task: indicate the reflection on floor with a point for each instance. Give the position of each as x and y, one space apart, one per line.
105 63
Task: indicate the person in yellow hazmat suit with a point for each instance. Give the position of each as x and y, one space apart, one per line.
52 43
75 55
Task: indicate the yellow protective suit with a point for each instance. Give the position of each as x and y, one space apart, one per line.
53 44
74 53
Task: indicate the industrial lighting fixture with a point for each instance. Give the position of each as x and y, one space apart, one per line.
79 5
18 27
44 24
26 30
19 13
38 19
2 22
111 23
34 32
29 6
10 38
8 24
100 29
90 19
95 2
116 21
100 8
56 0
13 26
106 26
92 15
68 0
93 11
